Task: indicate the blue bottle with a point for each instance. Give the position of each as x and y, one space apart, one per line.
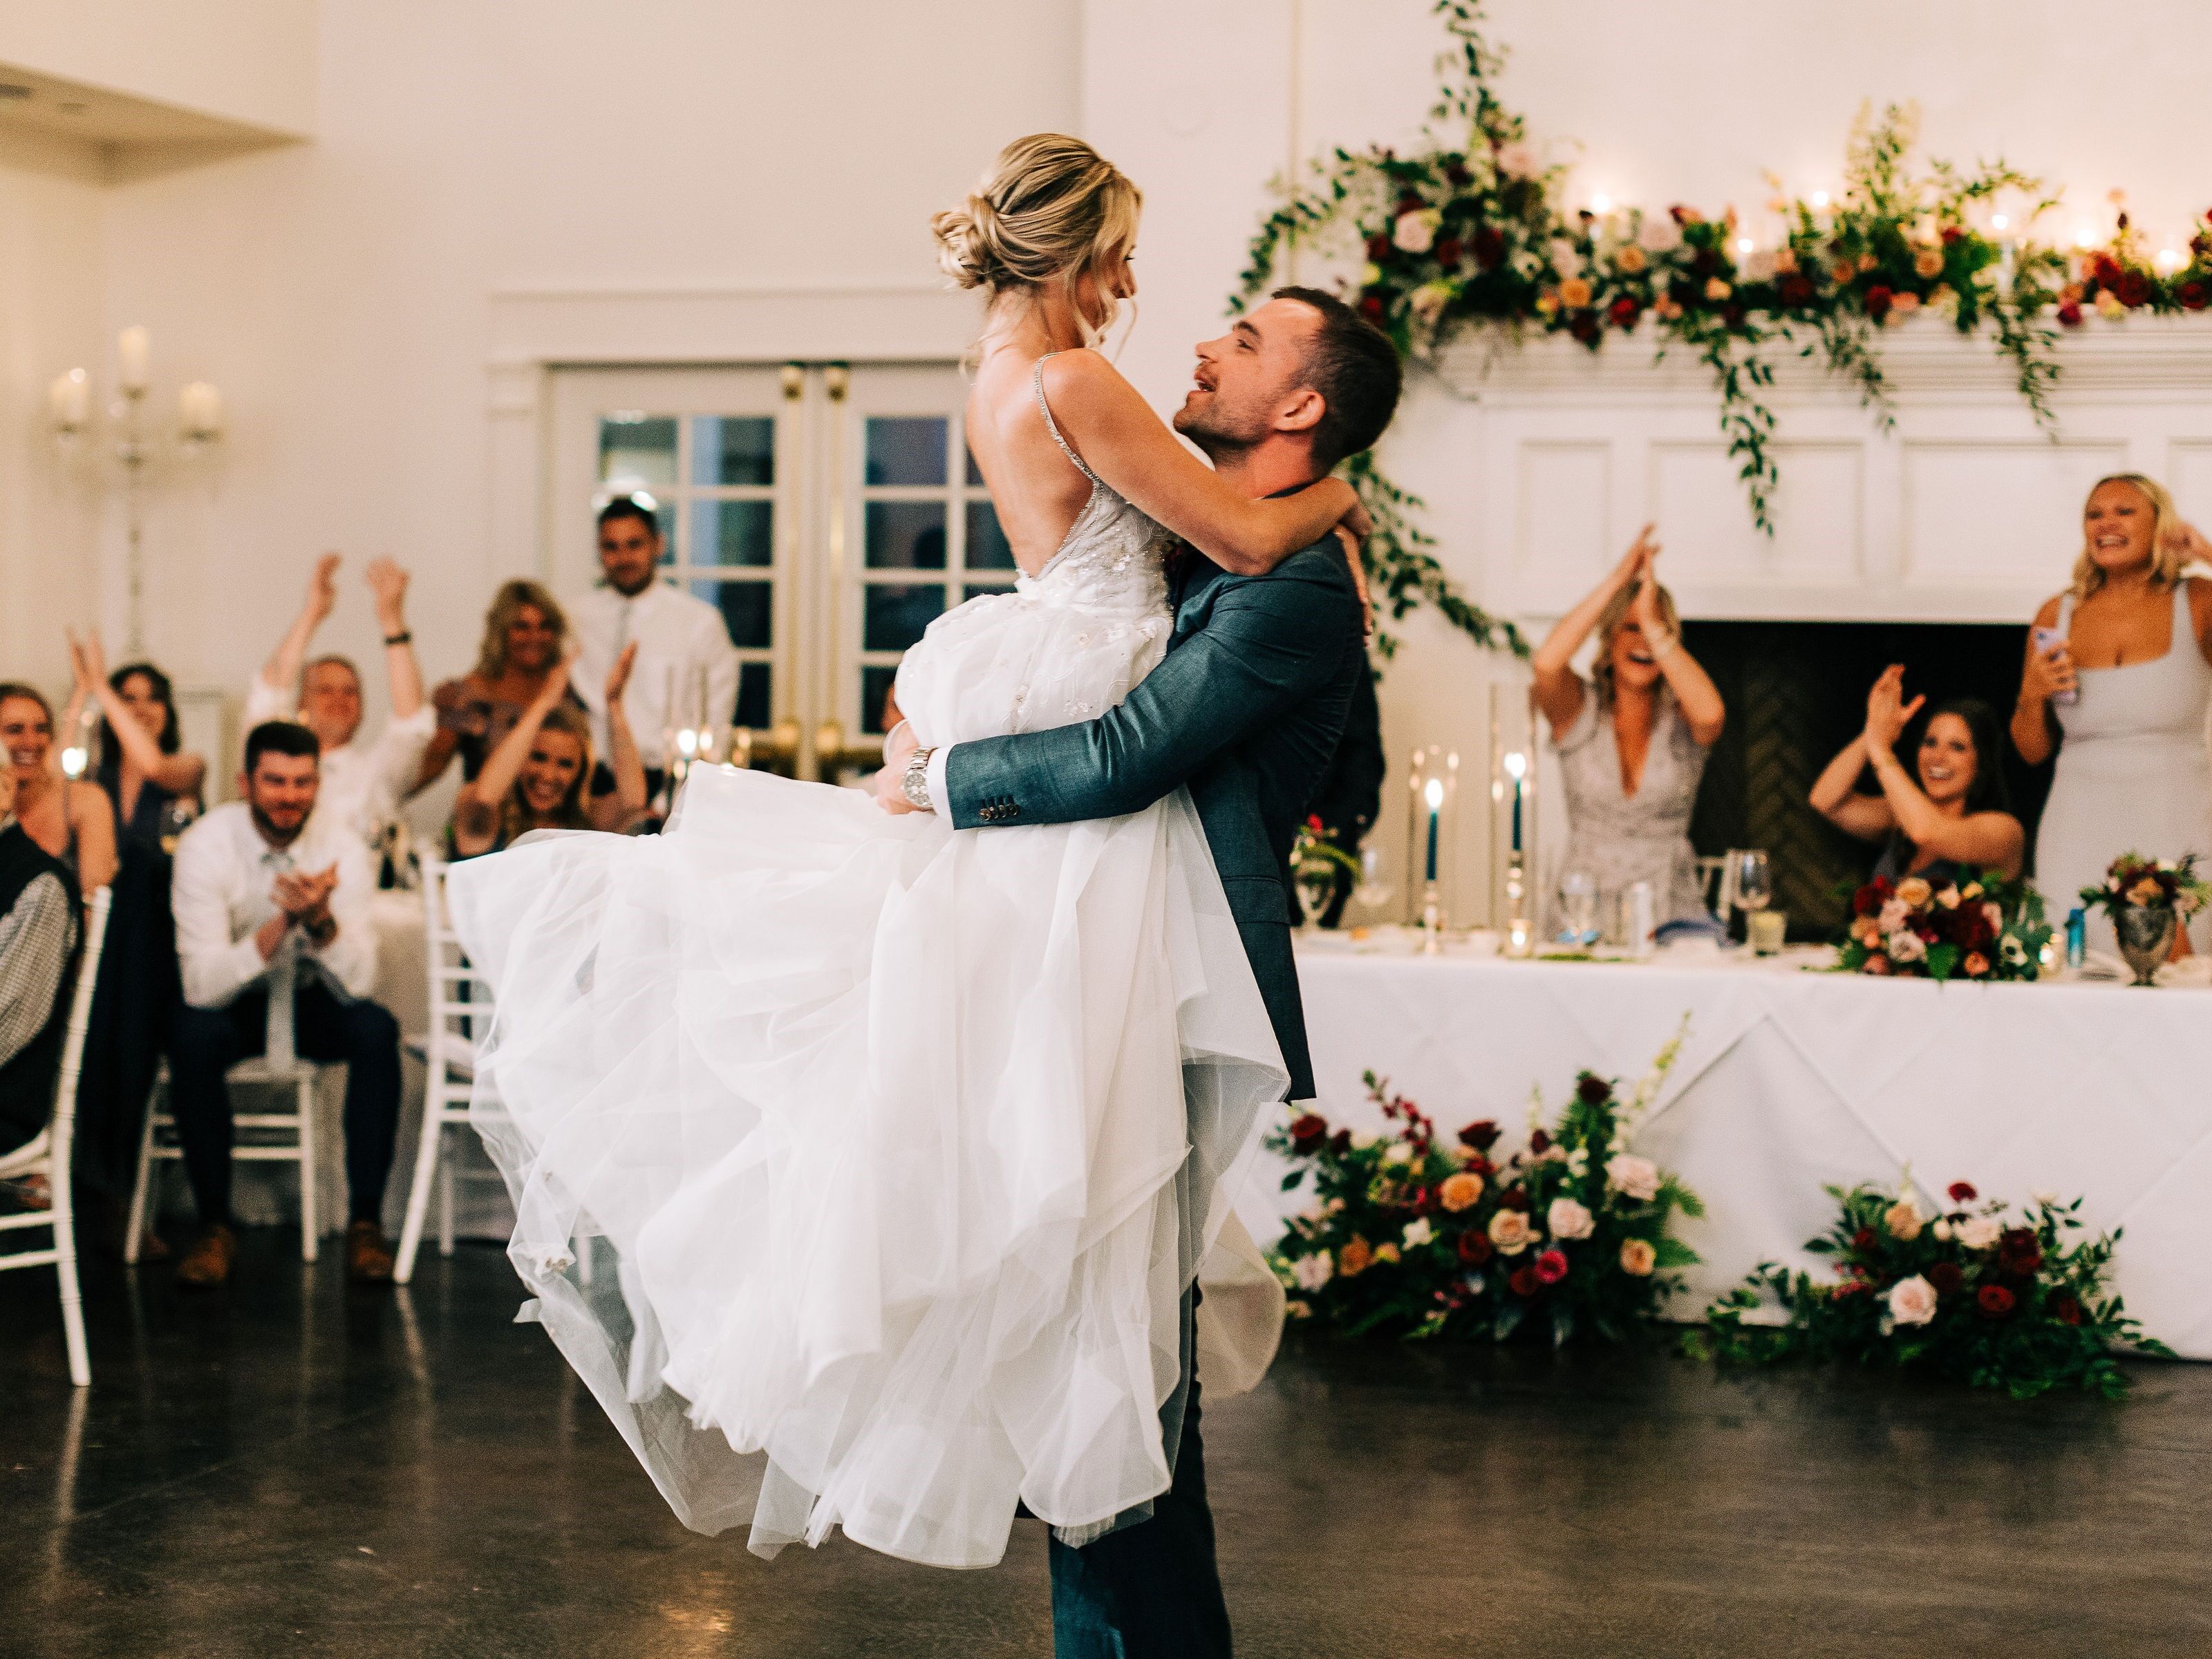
2077 936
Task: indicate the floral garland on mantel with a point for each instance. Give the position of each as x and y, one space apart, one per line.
1471 233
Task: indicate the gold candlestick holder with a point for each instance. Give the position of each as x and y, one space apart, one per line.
1432 921
1520 936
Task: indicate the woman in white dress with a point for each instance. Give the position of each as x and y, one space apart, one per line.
2118 680
882 1125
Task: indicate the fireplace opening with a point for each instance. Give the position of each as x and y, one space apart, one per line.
1796 693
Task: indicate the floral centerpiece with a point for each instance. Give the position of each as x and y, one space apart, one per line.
1411 1235
1988 928
1318 863
1972 1294
2147 900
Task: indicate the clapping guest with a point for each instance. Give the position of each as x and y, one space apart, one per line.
38 939
1633 741
2118 678
153 786
69 817
682 640
253 878
539 777
526 641
362 785
1947 819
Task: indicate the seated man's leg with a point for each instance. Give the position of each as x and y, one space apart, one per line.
204 1044
363 1035
1148 1591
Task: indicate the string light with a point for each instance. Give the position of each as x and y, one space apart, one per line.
1601 204
2085 236
1743 245
1820 201
2169 261
1998 222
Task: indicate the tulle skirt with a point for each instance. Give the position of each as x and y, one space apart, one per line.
862 1166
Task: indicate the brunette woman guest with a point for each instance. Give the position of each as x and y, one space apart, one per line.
1633 742
538 776
2118 677
1949 818
152 785
525 640
69 817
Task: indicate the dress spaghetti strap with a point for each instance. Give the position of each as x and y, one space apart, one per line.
1036 382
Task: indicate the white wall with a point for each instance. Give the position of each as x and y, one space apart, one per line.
248 61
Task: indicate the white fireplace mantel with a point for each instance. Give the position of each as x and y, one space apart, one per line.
1964 511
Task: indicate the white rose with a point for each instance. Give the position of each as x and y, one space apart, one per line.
1893 914
1416 232
1312 1271
1517 160
1994 915
1569 1219
1418 1232
1907 947
1397 1153
1759 267
1942 1231
1912 1301
1636 1177
1659 234
1979 1233
1429 300
1510 1232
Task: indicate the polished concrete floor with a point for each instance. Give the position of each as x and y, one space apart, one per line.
296 1467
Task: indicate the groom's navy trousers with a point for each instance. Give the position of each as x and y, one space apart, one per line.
1247 710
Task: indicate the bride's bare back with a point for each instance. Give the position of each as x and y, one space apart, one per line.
1037 492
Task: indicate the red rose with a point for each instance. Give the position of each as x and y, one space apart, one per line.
1449 253
2134 289
1522 1281
2019 1253
1877 302
2067 1309
1458 175
1371 308
1552 1266
1489 246
1871 898
1623 312
1797 289
1379 249
1341 1142
2069 315
2191 295
1593 1090
1863 1241
1539 1142
1962 1192
1475 1248
1481 1166
1308 1132
1481 1134
1514 1198
1946 1276
1951 234
1995 1301
2106 271
1583 326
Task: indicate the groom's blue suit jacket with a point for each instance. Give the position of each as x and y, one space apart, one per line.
1246 710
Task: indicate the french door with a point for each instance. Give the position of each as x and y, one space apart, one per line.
828 510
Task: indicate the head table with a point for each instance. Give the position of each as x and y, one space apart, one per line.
1790 1078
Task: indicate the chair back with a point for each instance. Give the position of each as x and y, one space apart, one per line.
460 997
80 1020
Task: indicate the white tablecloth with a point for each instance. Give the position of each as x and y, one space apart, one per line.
1791 1079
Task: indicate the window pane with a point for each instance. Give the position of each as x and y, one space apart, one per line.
734 532
732 449
745 608
896 616
753 695
875 686
907 449
636 452
988 548
977 590
906 535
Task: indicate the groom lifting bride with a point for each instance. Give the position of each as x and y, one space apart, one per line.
910 1140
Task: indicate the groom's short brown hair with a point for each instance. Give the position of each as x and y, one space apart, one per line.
1354 367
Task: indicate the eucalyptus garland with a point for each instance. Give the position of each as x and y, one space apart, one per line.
1470 234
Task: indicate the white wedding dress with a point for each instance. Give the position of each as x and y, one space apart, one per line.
899 1145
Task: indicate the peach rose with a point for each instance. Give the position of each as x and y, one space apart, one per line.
1842 270
1635 1177
1929 262
1574 293
1637 1257
1903 1220
1717 290
1630 259
1385 1254
1902 305
1977 964
1912 1301
1979 1233
1461 1191
1355 1257
1511 1232
1785 262
1568 1219
1914 891
1947 898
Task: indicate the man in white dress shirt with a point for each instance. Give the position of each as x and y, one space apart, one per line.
261 876
682 642
362 784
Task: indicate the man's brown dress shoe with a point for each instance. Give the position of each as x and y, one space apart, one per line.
368 1258
207 1264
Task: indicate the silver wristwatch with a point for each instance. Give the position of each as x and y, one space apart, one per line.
915 784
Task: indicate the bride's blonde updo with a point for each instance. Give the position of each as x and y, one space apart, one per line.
1051 208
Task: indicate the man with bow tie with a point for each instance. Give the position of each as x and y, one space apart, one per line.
259 881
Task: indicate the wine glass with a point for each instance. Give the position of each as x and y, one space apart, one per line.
1374 888
1755 881
1317 885
177 817
1578 908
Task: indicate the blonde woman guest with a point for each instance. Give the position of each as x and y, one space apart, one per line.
69 817
525 639
1632 740
539 777
2133 646
1949 816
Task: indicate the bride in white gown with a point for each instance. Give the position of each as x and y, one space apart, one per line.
875 1132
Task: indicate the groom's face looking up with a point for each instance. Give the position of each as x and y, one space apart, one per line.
1250 385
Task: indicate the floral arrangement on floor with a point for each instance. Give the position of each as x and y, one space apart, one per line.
2134 881
1413 1235
1988 929
1472 232
1973 1295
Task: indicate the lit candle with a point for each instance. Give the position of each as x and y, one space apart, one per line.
70 400
1434 795
1517 765
200 409
134 349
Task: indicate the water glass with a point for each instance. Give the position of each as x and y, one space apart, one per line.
1374 888
177 817
1755 881
1578 908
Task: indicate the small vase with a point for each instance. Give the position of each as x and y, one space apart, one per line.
2146 937
1316 882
